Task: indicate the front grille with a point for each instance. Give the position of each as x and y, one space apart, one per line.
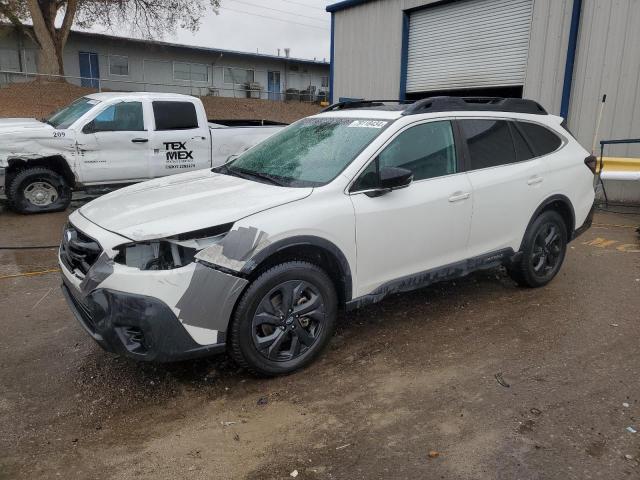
77 250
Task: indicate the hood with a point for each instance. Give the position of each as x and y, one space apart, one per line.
13 124
183 203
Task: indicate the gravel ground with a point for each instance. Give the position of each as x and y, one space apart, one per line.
473 379
39 99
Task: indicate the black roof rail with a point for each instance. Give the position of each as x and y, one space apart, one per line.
351 104
492 104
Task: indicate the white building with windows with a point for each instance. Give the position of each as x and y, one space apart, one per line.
116 63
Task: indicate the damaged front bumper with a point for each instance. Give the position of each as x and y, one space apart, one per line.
155 315
135 326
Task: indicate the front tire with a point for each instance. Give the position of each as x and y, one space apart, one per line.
38 190
284 319
543 251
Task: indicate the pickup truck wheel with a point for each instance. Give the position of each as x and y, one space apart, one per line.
284 319
543 251
37 190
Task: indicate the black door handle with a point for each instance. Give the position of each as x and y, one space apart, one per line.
140 140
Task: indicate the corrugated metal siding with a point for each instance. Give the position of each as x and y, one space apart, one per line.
368 42
466 44
548 52
608 62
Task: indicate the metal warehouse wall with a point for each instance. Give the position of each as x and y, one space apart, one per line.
368 45
608 61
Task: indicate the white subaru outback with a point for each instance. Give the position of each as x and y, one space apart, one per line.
338 210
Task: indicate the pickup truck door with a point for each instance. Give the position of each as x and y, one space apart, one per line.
114 145
180 139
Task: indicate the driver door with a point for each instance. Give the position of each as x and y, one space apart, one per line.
114 146
420 227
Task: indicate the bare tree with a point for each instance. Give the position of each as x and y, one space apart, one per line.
146 18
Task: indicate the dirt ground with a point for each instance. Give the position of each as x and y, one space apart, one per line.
412 375
40 99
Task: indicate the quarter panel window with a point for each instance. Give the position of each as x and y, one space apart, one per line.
523 150
428 150
121 117
543 140
489 143
175 115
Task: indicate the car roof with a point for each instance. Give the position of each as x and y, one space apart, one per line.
392 115
104 96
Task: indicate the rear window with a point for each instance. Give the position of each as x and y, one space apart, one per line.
175 115
542 140
489 143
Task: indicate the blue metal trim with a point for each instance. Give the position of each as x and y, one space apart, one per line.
335 7
404 56
331 56
571 58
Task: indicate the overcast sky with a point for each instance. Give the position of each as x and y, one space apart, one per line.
266 25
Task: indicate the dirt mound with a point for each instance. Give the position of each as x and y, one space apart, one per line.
39 99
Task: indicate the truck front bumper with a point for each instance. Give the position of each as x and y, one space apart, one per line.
135 326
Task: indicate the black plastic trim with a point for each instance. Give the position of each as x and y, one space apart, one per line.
428 277
109 316
546 203
586 225
345 269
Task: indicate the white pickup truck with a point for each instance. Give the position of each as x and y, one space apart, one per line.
108 139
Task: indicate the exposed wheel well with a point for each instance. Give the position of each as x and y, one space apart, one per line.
317 255
56 163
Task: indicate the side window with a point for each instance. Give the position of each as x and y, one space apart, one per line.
121 117
175 115
489 142
523 149
428 150
543 140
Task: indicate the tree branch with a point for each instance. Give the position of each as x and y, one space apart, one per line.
69 16
16 22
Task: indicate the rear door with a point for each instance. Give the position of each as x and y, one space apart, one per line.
507 183
180 138
422 226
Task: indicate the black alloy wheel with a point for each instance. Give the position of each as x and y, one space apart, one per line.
288 321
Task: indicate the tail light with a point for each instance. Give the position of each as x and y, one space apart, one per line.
592 163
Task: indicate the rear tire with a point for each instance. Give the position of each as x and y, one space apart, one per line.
38 190
543 251
284 319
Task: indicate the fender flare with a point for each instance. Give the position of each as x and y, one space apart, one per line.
305 240
548 201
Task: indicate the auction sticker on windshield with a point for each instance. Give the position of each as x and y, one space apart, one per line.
367 124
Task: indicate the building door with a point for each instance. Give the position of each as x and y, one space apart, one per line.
89 69
467 46
273 85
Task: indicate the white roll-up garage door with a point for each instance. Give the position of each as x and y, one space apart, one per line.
468 44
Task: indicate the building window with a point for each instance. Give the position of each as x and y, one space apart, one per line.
194 72
238 76
118 65
324 82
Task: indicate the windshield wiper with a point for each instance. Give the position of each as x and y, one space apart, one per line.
224 169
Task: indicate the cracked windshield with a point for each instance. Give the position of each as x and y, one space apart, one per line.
311 152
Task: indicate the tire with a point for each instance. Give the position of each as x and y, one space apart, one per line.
261 334
38 190
543 250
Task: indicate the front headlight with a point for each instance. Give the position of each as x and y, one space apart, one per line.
172 252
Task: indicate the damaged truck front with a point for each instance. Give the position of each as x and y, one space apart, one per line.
109 139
